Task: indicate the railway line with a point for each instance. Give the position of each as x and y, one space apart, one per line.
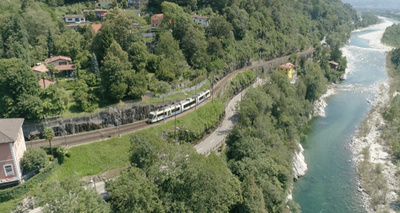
105 133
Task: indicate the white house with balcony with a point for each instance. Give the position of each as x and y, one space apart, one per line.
74 18
203 20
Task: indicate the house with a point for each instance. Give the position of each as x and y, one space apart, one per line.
63 64
98 12
104 3
156 20
96 27
287 69
40 68
12 148
333 65
77 18
203 20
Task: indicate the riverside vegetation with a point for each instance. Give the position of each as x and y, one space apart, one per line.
254 173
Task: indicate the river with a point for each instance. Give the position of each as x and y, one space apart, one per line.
331 184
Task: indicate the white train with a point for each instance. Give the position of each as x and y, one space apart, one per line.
180 107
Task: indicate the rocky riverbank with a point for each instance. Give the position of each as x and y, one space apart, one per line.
369 149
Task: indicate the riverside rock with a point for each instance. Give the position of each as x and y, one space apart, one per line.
299 163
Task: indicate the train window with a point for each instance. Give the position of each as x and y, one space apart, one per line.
176 109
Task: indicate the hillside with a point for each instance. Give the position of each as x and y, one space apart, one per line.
120 63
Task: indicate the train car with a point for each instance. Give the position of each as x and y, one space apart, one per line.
188 103
182 106
164 113
202 96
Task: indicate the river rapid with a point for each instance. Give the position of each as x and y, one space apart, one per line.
331 183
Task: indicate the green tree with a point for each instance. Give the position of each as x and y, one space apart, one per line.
194 48
94 66
19 90
137 84
48 134
125 26
175 19
69 43
84 96
138 55
55 100
116 68
70 196
253 200
168 48
220 28
133 192
34 159
143 152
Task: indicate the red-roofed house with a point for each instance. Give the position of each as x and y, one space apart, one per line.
40 68
12 148
63 64
287 69
156 20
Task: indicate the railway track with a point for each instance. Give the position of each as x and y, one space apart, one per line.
105 133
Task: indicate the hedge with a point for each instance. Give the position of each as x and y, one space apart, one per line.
18 191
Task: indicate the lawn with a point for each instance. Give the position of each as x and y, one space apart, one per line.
113 153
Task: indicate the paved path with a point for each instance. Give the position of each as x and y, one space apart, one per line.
212 142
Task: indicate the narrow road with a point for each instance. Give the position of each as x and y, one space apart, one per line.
101 134
213 141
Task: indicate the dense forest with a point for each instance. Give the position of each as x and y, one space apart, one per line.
254 173
119 63
391 36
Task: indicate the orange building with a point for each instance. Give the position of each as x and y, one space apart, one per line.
287 69
156 20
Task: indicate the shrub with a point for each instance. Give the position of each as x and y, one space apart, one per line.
62 152
34 159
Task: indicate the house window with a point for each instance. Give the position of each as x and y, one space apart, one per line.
62 63
8 169
70 19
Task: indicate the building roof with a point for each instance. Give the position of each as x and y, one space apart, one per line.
9 129
65 67
158 15
74 16
56 58
199 17
287 65
40 68
96 27
47 83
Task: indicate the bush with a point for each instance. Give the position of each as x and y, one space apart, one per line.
34 159
62 152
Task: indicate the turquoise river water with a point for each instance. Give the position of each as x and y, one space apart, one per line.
330 184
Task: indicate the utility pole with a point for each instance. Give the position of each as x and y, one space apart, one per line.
163 103
119 122
176 136
212 87
195 93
